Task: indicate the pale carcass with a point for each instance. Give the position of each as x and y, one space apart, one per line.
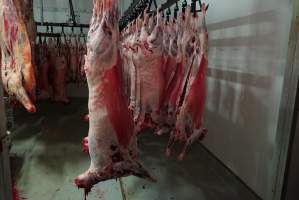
60 76
16 65
43 71
111 139
150 82
189 126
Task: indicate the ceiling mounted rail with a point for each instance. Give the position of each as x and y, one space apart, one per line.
62 24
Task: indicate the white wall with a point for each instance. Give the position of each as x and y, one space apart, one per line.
248 47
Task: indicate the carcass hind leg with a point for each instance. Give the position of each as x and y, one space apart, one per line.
198 135
115 170
170 144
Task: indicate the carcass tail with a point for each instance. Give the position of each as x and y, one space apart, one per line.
113 171
136 169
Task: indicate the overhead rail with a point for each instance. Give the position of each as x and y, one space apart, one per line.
137 8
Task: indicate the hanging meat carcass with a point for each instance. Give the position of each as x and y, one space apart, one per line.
43 71
74 59
52 56
111 138
60 75
129 47
186 42
189 127
25 7
126 57
172 74
170 62
66 48
150 80
82 53
174 64
16 65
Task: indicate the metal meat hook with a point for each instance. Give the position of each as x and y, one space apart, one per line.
200 5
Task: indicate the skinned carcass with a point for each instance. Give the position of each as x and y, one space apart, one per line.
16 66
59 75
150 82
189 127
111 139
43 71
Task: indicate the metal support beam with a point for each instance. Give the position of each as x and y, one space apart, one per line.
42 11
62 24
52 35
5 175
168 4
137 7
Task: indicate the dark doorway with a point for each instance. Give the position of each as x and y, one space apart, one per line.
292 171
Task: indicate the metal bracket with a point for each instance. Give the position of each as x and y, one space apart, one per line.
200 5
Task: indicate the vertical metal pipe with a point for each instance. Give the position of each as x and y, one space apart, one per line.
72 12
41 11
5 176
122 189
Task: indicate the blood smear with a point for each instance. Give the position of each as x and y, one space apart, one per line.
15 193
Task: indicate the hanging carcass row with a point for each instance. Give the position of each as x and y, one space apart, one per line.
16 66
189 121
112 140
167 63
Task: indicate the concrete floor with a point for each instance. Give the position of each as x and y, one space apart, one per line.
47 148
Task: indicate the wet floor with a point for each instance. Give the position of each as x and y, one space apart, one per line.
47 158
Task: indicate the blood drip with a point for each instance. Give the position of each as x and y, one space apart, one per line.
15 193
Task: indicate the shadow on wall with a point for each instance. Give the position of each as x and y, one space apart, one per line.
244 87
